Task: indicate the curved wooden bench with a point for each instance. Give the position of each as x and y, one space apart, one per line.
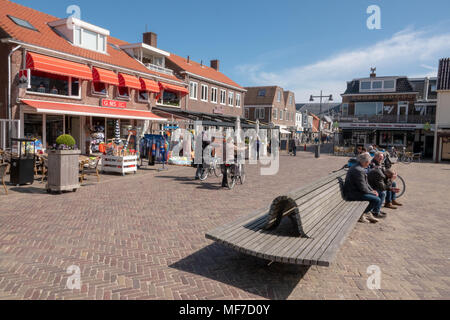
321 222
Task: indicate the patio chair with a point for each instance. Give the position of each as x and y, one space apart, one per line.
89 167
3 169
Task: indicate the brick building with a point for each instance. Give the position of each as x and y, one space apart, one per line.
390 111
273 106
442 134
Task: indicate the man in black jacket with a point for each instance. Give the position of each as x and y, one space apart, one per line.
357 188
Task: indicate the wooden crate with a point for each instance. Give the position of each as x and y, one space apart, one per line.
122 165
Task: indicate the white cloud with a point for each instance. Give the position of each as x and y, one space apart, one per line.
407 52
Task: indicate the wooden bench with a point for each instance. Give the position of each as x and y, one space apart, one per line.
321 222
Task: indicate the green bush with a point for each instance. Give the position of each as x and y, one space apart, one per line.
66 140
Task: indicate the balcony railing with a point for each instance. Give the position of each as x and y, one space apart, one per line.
413 119
154 67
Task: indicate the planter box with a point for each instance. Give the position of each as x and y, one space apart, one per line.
63 170
122 165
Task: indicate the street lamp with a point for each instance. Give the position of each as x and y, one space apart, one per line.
321 97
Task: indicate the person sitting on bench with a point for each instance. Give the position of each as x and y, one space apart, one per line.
391 195
357 188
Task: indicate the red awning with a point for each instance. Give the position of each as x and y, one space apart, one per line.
125 80
173 88
52 65
105 76
86 110
149 85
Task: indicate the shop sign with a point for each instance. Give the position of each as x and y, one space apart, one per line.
113 104
381 126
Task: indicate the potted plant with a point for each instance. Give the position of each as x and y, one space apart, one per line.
63 165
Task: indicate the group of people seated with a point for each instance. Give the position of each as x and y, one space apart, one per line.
369 180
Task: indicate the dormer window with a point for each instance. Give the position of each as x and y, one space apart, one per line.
82 34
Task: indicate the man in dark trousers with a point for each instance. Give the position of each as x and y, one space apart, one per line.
357 188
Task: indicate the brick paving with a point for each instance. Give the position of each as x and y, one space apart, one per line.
142 237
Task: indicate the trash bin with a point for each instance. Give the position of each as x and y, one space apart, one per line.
317 151
22 162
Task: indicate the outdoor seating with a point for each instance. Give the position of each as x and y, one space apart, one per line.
321 217
3 169
89 166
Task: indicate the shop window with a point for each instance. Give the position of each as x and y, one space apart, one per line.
110 129
399 139
47 83
124 92
143 95
99 88
33 126
170 99
54 128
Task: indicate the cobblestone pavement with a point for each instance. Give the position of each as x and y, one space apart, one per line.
142 237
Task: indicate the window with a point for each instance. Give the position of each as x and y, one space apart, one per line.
193 90
261 113
204 93
275 114
170 99
99 88
279 97
345 109
47 83
230 98
247 113
366 85
262 93
214 93
223 97
54 127
33 126
238 100
291 99
124 92
281 114
377 85
368 108
22 23
389 84
89 39
143 96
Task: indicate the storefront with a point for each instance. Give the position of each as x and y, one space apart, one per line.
89 125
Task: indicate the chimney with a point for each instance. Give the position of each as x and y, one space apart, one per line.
151 39
189 59
372 72
215 64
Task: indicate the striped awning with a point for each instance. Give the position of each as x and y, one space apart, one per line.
105 76
57 66
128 81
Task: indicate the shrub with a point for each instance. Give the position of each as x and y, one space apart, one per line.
65 141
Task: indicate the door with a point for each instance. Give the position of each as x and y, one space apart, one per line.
403 112
446 149
429 147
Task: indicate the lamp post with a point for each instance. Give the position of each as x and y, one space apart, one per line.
321 97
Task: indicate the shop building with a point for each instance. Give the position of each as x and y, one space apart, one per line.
390 111
69 76
442 134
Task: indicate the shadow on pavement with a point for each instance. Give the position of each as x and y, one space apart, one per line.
253 275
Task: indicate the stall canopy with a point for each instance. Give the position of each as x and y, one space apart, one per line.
172 87
61 67
105 76
125 80
149 85
214 120
86 110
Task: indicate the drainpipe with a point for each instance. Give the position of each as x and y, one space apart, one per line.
10 84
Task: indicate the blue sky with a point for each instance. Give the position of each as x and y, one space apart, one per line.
304 46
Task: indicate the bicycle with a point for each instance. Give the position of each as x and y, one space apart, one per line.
401 184
234 173
209 169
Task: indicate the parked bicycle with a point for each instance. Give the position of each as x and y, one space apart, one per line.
234 173
212 168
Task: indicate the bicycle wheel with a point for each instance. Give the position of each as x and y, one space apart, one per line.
218 173
242 176
231 179
401 184
407 160
204 175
